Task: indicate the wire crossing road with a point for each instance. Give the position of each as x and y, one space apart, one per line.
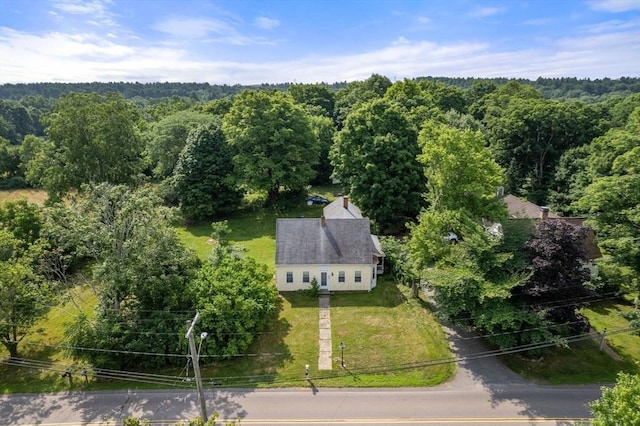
511 404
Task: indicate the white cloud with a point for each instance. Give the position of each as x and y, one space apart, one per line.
89 57
424 20
400 41
82 7
614 6
193 28
266 23
483 12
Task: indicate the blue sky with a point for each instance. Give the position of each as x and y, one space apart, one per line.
274 41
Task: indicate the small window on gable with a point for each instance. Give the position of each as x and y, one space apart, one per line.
340 276
289 277
358 277
305 276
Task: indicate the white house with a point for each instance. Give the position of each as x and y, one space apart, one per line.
340 253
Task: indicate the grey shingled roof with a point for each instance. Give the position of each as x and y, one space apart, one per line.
306 241
336 210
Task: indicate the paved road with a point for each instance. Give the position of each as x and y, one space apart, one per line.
504 405
483 392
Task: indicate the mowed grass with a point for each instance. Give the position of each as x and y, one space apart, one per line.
253 230
383 330
389 340
583 362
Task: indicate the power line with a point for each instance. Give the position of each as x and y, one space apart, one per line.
167 380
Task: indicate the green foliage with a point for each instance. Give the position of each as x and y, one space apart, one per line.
356 93
618 405
274 148
235 298
316 96
460 172
22 219
11 175
374 157
92 139
528 136
203 178
142 270
167 137
25 294
315 287
613 198
324 131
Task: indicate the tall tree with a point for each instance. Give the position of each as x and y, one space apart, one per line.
356 93
143 271
203 178
460 171
529 136
167 137
273 144
556 287
93 139
323 129
317 97
374 156
25 294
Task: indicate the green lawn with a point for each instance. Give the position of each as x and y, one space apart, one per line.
583 362
384 330
390 338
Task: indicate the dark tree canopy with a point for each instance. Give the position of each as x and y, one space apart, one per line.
556 286
374 157
203 178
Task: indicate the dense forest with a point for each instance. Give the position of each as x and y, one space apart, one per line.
422 158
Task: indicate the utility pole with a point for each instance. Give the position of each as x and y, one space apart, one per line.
196 367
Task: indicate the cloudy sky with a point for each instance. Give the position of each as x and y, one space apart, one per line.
272 41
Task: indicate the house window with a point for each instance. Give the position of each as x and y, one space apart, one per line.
305 276
358 277
289 277
340 276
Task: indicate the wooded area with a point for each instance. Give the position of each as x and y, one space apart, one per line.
422 158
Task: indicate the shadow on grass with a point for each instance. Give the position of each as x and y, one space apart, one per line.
261 362
385 294
610 306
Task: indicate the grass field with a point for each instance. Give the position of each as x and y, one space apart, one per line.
583 362
35 196
384 330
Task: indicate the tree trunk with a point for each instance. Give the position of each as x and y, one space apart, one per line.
12 347
414 289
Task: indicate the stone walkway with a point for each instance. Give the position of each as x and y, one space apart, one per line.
324 359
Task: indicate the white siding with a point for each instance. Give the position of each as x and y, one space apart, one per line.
367 283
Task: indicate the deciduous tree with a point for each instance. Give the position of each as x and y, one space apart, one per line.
93 138
274 148
374 157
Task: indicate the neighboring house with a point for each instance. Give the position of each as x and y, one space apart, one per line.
522 209
339 251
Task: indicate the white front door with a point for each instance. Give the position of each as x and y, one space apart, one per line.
324 278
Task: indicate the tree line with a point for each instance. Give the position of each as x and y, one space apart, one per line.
414 153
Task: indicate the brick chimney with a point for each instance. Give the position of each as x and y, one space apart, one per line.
323 221
544 212
345 202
